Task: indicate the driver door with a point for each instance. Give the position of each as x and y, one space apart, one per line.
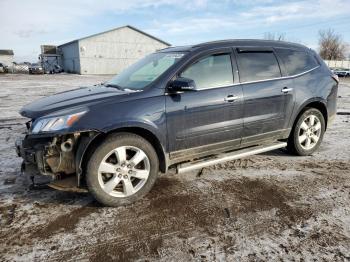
209 118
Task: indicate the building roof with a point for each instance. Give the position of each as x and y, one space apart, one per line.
6 52
126 26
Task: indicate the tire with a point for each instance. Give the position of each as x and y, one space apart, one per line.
307 133
115 176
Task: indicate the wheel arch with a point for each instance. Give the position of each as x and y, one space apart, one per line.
317 104
142 132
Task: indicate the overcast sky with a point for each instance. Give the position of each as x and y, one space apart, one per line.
25 25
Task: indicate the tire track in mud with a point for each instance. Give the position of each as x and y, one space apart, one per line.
7 214
65 223
178 209
175 209
17 231
264 162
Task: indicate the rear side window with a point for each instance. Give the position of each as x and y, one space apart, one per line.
296 62
254 66
211 71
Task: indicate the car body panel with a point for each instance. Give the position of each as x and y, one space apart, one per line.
315 86
204 117
71 99
193 124
266 107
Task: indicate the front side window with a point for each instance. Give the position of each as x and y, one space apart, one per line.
296 62
145 71
211 71
255 66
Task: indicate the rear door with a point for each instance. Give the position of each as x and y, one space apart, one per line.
265 94
211 117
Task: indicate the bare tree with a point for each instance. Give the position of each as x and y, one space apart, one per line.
331 45
275 36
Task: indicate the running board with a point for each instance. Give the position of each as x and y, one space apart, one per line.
186 167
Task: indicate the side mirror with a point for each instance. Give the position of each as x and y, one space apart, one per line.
182 84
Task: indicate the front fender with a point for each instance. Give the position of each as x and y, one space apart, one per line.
136 123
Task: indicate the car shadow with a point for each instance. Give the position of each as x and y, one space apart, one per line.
277 152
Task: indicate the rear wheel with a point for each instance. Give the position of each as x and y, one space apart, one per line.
307 133
122 169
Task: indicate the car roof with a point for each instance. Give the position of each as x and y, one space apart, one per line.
238 43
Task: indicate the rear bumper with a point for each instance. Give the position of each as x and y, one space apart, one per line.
331 119
332 101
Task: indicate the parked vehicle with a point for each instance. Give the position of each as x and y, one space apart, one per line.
184 108
56 69
2 68
35 68
343 72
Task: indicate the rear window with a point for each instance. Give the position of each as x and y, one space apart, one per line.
254 66
296 62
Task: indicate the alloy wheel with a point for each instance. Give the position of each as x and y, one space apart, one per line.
124 171
309 132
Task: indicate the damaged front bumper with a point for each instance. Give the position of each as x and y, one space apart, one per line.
56 156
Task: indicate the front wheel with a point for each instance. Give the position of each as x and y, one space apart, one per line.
307 134
122 169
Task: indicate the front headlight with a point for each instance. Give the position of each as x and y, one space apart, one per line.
56 123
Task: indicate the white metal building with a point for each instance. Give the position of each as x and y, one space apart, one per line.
108 52
6 57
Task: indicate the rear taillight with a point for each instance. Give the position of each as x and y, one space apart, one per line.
335 77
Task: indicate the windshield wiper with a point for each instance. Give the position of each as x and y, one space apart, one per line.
114 86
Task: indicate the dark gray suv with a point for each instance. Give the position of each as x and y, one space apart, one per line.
183 108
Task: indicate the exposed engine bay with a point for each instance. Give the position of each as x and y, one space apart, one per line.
57 157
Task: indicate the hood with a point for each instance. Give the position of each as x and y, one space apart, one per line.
70 99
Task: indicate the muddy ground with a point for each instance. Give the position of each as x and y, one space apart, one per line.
267 207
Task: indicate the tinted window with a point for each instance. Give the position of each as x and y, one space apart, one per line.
212 71
254 66
296 62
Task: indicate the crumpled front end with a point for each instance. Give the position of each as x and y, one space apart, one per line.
56 156
53 155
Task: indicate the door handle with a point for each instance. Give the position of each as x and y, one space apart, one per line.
286 89
230 98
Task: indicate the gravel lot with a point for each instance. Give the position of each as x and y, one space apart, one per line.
267 207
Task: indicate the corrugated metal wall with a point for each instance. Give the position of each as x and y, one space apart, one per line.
70 57
113 51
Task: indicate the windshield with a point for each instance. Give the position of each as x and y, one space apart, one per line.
145 71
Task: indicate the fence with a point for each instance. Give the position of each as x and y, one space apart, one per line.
18 69
338 63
